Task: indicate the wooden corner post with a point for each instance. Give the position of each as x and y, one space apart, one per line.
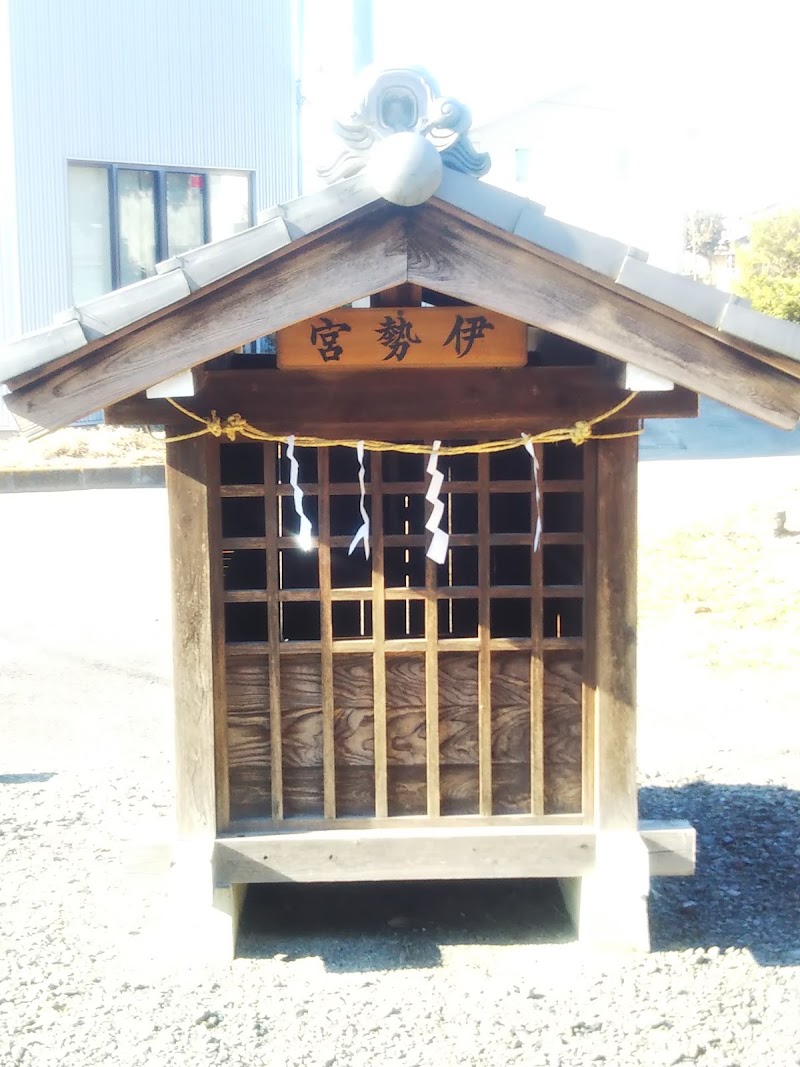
609 906
206 914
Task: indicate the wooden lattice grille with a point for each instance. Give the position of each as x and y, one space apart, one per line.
395 686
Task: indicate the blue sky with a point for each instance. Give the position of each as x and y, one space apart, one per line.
725 72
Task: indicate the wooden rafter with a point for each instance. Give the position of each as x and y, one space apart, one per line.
430 247
339 267
479 266
479 401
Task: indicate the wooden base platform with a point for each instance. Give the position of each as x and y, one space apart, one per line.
422 853
604 875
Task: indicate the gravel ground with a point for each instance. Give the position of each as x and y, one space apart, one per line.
438 974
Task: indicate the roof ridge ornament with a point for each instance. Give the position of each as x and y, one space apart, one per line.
405 100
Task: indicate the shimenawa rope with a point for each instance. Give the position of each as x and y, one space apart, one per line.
234 426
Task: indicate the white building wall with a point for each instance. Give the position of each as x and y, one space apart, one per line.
9 275
193 83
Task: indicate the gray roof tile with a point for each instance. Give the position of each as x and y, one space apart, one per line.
31 351
601 254
699 301
495 206
121 307
742 321
206 264
312 212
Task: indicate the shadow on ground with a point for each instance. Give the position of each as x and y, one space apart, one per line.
745 894
398 925
746 890
26 779
718 432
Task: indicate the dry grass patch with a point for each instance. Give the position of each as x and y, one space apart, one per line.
83 446
714 575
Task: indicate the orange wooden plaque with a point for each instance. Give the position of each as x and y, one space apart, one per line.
359 338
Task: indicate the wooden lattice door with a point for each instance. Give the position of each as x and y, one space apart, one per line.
394 686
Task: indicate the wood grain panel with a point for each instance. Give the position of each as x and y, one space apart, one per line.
458 733
407 790
249 764
301 711
405 709
458 708
511 707
511 733
250 793
248 737
460 788
405 735
302 792
247 680
354 731
563 730
511 784
355 791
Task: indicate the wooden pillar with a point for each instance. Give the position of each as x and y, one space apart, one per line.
615 804
610 905
206 914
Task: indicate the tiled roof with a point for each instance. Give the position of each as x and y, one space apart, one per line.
181 276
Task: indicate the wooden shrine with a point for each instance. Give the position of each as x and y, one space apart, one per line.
351 702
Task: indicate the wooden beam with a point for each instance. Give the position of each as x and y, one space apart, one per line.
484 638
273 628
615 797
499 850
536 677
773 359
326 634
488 269
432 750
672 847
672 844
402 854
378 640
339 267
419 403
589 630
197 617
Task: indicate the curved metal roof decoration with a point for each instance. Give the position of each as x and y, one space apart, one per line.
405 100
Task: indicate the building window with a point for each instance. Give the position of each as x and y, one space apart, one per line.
125 219
521 164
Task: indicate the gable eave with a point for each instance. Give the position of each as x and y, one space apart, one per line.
485 265
364 253
613 273
79 331
620 267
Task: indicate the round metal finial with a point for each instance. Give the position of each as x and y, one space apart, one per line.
405 169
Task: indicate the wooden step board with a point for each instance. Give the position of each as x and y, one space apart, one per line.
425 852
